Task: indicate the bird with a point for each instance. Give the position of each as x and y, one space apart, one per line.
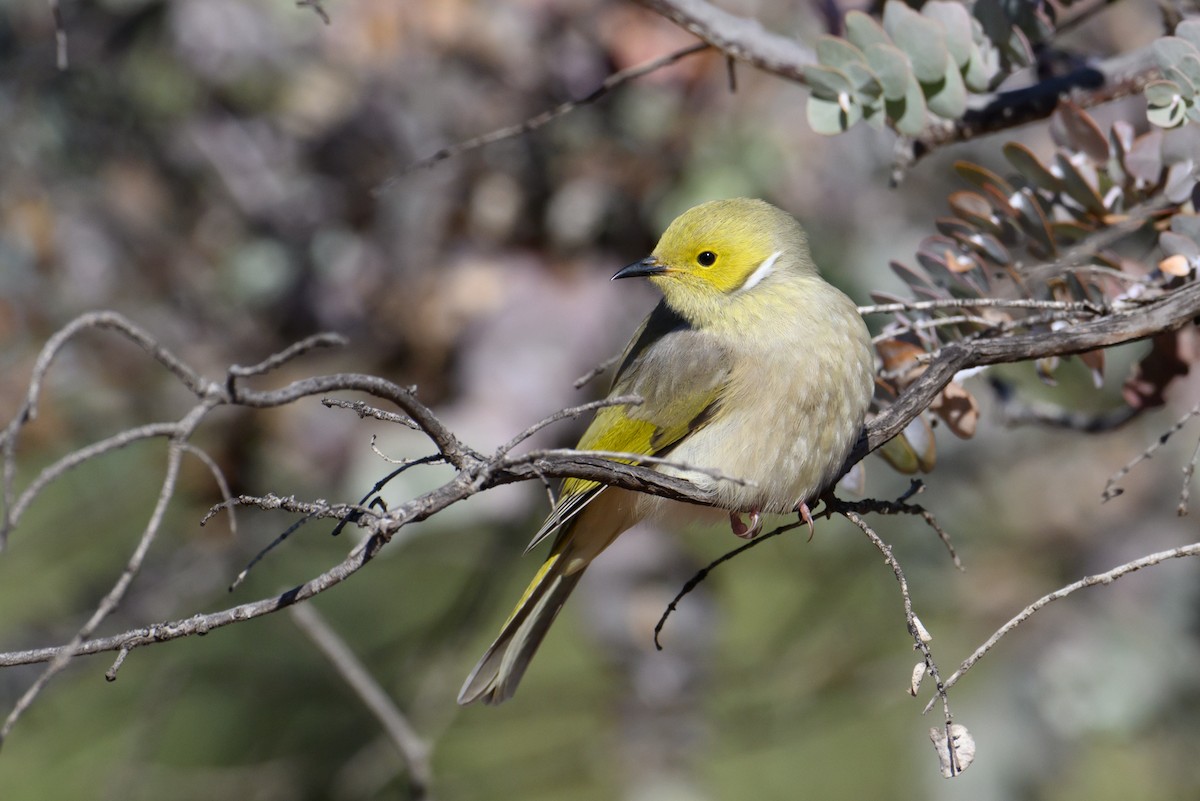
751 366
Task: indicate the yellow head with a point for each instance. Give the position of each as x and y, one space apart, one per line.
724 250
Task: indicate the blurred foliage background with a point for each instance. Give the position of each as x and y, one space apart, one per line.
229 173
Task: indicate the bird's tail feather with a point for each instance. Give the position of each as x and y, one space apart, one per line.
500 669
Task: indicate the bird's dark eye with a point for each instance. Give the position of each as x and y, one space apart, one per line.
707 258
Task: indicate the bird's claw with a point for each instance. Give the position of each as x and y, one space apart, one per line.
806 516
740 529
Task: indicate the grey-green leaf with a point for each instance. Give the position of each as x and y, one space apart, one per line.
892 69
923 41
863 31
828 117
950 99
954 18
908 114
1170 49
1189 30
827 83
837 53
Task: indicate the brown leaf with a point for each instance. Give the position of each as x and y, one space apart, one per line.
897 355
1168 359
958 409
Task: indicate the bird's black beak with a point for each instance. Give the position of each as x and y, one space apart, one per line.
647 266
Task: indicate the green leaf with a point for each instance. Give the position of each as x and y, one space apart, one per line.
892 69
956 22
828 117
866 85
1170 49
908 114
1189 30
1189 68
950 98
837 53
982 67
1160 94
827 83
863 31
1171 116
1028 165
921 39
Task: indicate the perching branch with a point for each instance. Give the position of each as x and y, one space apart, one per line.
474 472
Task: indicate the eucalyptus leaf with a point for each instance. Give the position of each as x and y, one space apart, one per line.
1160 94
837 53
956 22
828 117
924 42
827 83
863 31
892 68
1171 116
1028 165
950 100
1170 49
1189 30
908 114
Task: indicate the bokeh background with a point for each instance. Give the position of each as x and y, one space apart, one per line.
231 175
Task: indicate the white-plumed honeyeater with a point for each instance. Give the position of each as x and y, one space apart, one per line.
752 365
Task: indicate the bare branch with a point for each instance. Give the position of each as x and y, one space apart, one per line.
1111 490
1099 579
363 410
293 351
533 123
117 593
413 750
574 411
738 37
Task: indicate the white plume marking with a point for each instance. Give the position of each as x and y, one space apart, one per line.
761 271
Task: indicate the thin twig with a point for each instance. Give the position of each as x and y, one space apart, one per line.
703 573
915 627
1111 490
633 458
413 749
317 7
574 411
535 122
132 566
293 351
364 410
598 370
980 303
218 476
1099 579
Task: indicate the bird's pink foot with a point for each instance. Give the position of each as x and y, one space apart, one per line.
806 516
740 529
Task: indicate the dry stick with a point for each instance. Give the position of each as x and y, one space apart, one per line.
364 410
1165 313
114 596
971 303
533 123
1111 490
741 38
60 36
703 573
915 628
218 476
574 411
1185 491
413 749
1098 579
75 458
29 408
583 380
